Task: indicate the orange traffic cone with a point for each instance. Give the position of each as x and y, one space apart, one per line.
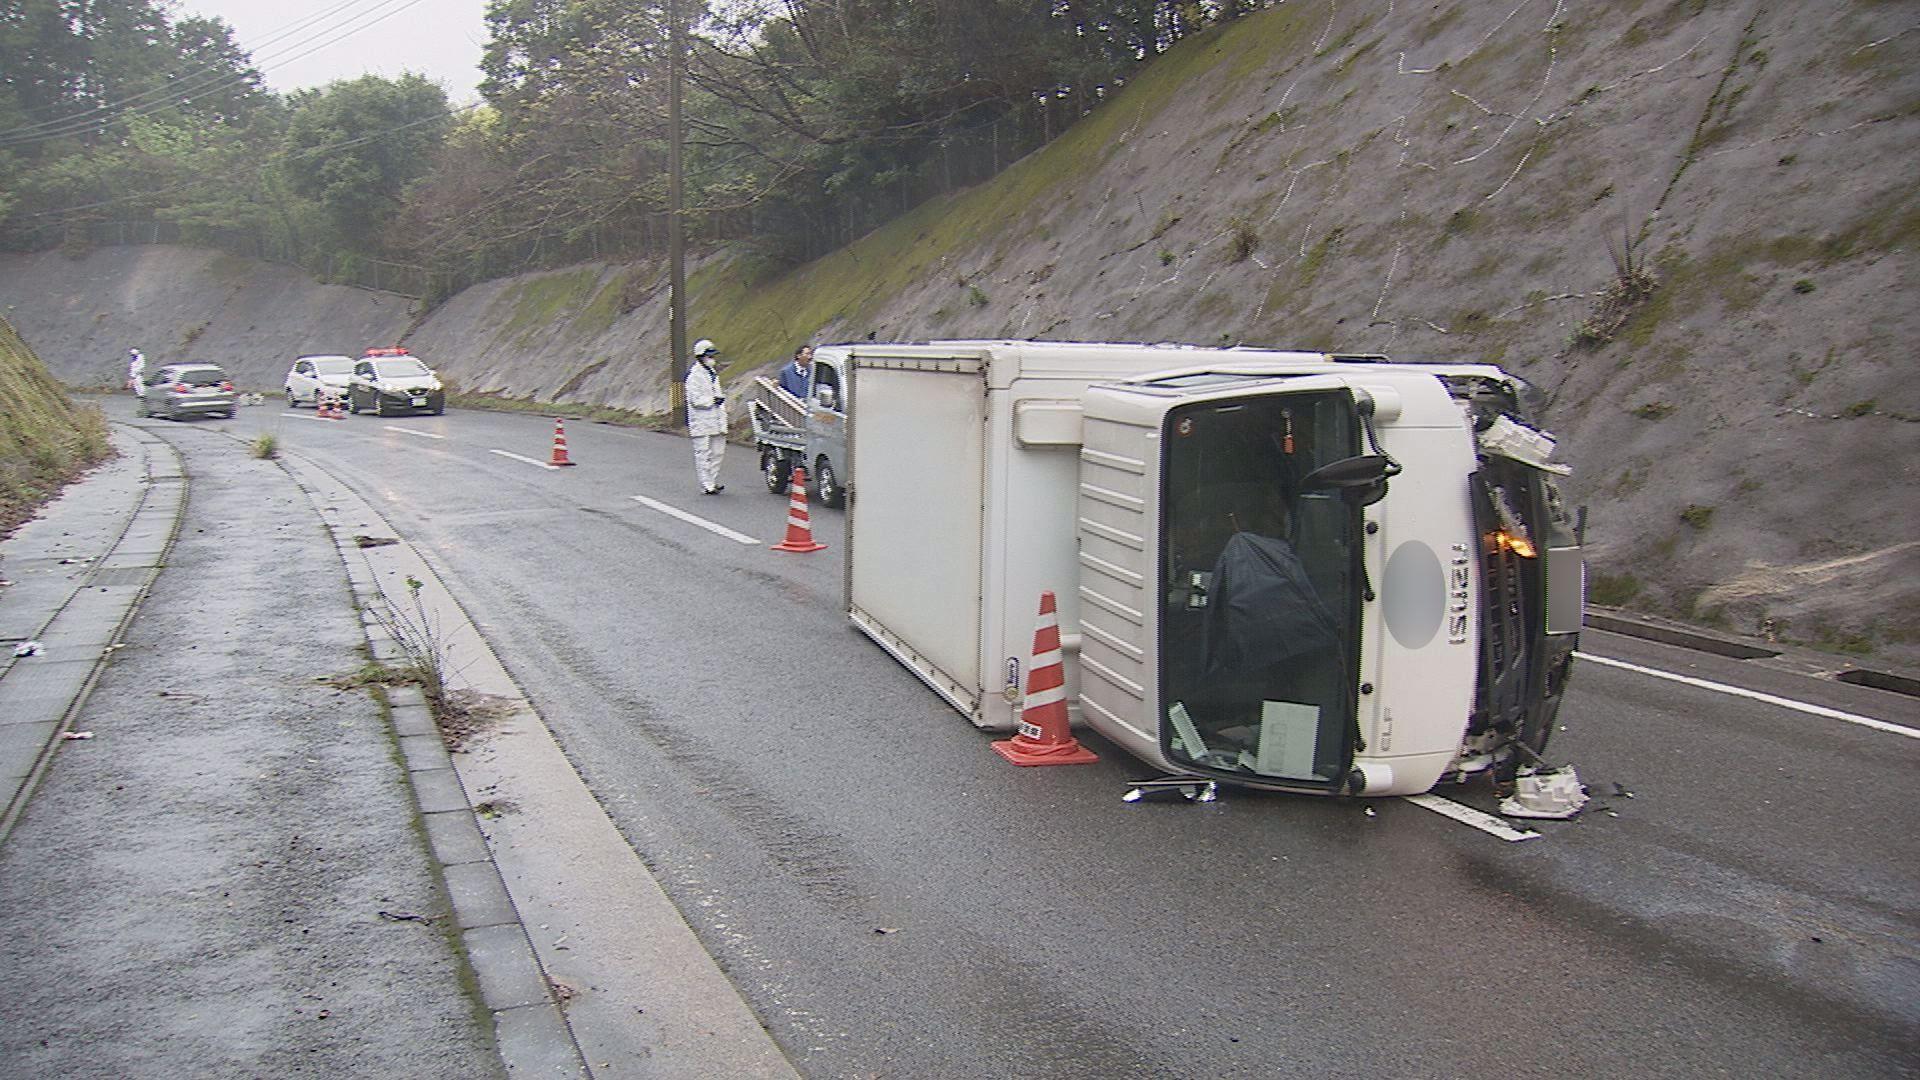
799 528
1044 738
559 443
327 407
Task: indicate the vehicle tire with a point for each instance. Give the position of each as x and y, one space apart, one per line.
231 413
440 409
353 404
777 470
292 402
828 484
379 406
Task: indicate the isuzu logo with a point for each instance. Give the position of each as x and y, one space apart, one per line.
1459 580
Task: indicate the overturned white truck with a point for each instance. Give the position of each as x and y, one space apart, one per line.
1308 572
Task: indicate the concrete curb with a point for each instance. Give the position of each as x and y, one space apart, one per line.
1800 660
616 984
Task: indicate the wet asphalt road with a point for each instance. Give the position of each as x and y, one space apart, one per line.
895 900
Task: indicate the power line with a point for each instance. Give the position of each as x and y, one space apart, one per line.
210 78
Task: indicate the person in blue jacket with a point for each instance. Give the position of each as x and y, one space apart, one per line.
797 374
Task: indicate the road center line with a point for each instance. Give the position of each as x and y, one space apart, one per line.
691 519
415 434
1755 695
1467 815
528 460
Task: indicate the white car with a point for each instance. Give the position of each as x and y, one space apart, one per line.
312 374
393 380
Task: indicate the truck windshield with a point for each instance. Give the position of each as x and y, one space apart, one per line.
1260 578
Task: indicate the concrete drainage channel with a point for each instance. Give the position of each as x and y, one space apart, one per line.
92 611
529 1027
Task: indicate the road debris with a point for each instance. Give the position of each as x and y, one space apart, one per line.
28 648
1556 795
76 735
374 541
405 916
1189 788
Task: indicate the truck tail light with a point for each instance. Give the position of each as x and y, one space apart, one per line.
182 388
227 386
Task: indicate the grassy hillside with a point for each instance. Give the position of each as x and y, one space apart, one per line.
45 440
1692 224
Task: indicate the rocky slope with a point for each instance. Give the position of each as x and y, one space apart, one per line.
1692 224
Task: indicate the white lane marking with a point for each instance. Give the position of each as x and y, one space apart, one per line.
1770 699
691 519
1467 815
415 434
528 460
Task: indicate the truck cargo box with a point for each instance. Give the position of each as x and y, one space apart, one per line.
964 474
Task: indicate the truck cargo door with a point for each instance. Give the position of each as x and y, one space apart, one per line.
916 460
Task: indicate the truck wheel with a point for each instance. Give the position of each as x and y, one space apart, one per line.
777 470
831 492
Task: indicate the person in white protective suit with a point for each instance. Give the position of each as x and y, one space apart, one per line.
706 416
136 372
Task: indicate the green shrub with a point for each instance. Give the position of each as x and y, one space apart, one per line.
1612 590
1244 240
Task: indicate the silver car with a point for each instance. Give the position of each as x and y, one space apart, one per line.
179 390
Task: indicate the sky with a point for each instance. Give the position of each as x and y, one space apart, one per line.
299 44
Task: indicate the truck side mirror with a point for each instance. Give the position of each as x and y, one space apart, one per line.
825 396
1361 479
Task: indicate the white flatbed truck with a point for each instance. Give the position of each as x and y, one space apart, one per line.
1288 570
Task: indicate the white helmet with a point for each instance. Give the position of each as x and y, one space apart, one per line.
703 347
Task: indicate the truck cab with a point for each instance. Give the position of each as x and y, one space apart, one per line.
1346 588
808 431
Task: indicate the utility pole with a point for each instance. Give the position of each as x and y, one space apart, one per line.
676 211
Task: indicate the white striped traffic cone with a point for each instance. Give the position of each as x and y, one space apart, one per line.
799 528
559 443
1045 737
